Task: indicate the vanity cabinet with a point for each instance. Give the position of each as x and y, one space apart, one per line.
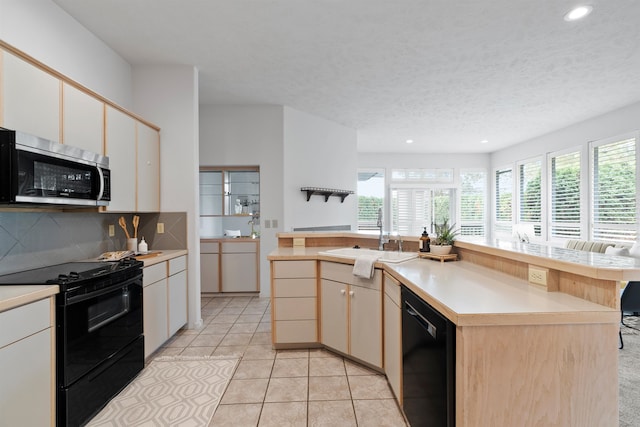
295 313
164 301
210 267
393 335
30 98
82 120
239 264
27 358
351 312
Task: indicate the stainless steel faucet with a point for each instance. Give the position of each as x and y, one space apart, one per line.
381 240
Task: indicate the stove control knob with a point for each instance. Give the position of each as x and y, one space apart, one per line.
74 275
63 278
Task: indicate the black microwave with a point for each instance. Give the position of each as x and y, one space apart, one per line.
37 171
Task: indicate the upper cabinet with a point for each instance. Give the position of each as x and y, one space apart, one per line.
148 169
82 120
120 146
30 98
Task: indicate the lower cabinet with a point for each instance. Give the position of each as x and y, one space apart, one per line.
351 314
165 301
27 357
228 265
210 267
294 302
393 335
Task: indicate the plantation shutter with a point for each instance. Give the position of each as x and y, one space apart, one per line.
565 196
411 209
504 195
530 195
614 191
472 200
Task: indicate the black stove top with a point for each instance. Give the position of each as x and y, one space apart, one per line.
75 273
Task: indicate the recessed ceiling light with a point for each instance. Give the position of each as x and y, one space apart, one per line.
578 12
484 141
409 141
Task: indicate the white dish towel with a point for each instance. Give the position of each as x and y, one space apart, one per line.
363 267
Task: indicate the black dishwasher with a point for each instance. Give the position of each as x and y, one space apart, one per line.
428 364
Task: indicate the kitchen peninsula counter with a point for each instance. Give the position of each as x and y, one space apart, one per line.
526 354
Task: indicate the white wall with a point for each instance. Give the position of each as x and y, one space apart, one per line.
249 136
425 161
318 153
611 124
168 97
47 33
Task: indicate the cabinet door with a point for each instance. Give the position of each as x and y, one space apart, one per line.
239 272
366 324
177 301
82 120
148 169
393 345
334 315
31 98
155 316
26 388
209 272
120 146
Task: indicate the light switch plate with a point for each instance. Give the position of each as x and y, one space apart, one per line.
267 223
274 223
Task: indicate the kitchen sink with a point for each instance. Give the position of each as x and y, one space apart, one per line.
383 256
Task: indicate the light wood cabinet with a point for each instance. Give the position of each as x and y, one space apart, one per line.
27 349
148 169
351 320
239 264
30 97
393 335
294 288
82 120
210 267
165 301
120 146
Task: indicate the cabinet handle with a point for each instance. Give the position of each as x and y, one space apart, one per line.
351 293
342 291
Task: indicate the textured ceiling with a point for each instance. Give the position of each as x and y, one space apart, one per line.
446 74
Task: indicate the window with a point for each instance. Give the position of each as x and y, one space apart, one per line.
412 209
370 198
504 195
613 189
530 195
473 186
565 206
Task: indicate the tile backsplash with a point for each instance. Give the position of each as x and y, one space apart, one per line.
36 239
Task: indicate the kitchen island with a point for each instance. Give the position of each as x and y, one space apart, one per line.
526 354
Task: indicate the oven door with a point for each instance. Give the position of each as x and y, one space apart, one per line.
93 327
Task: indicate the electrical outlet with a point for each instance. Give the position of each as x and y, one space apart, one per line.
274 223
160 228
112 230
538 276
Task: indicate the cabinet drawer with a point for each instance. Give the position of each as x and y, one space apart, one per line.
209 248
23 321
343 273
238 247
294 288
177 265
289 269
296 331
392 289
153 273
295 308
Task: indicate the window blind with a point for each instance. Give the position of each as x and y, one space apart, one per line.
504 196
472 202
613 170
530 194
565 196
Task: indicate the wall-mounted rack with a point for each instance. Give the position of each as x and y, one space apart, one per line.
326 192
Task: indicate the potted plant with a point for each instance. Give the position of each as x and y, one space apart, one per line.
445 236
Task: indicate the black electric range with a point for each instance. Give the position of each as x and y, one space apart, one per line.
99 331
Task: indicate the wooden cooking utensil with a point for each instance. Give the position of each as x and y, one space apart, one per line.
123 225
136 221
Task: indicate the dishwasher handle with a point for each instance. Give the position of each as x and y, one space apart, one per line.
430 328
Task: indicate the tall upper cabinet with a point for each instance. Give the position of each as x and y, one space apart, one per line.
82 119
148 169
30 98
120 146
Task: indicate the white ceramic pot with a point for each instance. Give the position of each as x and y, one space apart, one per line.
440 249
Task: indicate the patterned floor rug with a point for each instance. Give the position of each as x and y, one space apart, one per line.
170 391
631 325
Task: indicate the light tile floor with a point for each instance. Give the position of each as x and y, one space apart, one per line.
285 387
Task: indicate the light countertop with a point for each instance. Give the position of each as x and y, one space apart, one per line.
161 256
15 296
468 294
